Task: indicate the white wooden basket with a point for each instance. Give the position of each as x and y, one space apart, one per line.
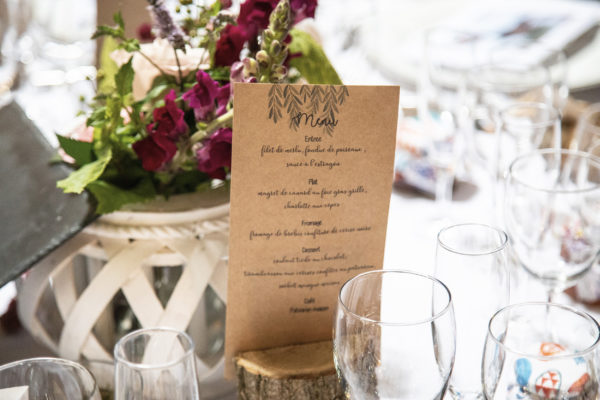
120 249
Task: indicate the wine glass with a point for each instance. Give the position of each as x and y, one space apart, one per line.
155 364
46 379
394 336
552 215
494 86
471 259
447 57
541 351
540 53
524 127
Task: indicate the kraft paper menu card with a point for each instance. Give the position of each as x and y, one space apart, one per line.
312 170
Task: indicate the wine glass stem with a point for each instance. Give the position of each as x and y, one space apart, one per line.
443 190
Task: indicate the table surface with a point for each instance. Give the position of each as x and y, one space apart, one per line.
411 230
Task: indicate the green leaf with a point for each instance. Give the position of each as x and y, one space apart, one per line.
77 181
124 79
220 73
111 198
80 151
130 45
313 64
104 30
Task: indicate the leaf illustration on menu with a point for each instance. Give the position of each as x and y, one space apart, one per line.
315 99
293 105
342 95
275 104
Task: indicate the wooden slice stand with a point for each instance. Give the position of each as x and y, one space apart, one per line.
300 372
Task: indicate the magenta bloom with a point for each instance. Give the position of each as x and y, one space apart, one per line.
223 96
229 45
168 120
154 151
201 97
215 155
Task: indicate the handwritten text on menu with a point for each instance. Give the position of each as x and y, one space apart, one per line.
311 180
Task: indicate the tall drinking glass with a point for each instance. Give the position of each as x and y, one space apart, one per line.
471 259
155 364
552 215
447 59
46 379
541 351
394 336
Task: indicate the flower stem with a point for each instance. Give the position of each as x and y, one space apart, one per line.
219 122
179 70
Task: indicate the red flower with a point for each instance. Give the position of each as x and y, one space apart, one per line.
154 151
169 120
159 147
215 155
229 45
202 95
254 16
144 33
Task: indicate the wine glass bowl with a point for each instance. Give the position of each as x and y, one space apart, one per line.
155 364
541 351
394 336
552 214
49 378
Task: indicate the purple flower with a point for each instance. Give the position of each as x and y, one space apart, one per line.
215 155
168 119
166 27
201 97
223 96
302 9
229 45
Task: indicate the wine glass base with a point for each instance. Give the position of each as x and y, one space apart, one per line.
456 394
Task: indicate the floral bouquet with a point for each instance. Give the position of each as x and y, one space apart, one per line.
161 122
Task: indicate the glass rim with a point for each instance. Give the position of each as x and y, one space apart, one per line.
583 119
55 360
502 246
143 331
396 271
583 314
552 119
475 77
577 153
